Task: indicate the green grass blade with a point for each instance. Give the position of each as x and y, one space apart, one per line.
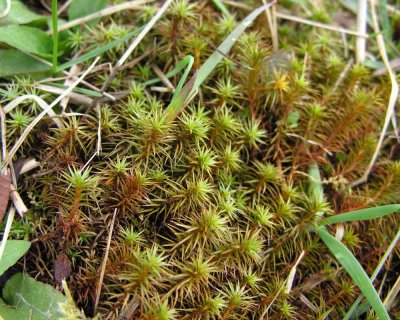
209 66
184 63
220 5
315 186
356 310
55 33
354 269
84 91
189 61
181 98
363 214
387 29
182 94
98 51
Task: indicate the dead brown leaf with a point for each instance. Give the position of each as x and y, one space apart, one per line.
5 183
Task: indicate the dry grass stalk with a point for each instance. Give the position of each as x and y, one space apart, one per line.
135 43
362 10
393 95
320 25
22 138
130 5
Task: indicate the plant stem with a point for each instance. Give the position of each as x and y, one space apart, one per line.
55 33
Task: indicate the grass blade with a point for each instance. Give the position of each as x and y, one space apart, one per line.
220 5
55 33
355 310
181 98
97 52
190 61
185 62
209 66
384 20
354 269
315 187
363 214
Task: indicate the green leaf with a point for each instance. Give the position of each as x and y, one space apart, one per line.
27 39
354 269
10 313
81 8
14 62
14 250
19 14
373 64
31 298
363 214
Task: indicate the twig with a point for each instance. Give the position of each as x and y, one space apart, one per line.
393 95
292 273
342 76
394 64
345 45
64 7
320 25
76 97
130 5
103 266
273 300
17 201
135 43
29 165
73 72
44 4
3 140
362 9
29 128
390 298
87 84
162 77
98 145
392 9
